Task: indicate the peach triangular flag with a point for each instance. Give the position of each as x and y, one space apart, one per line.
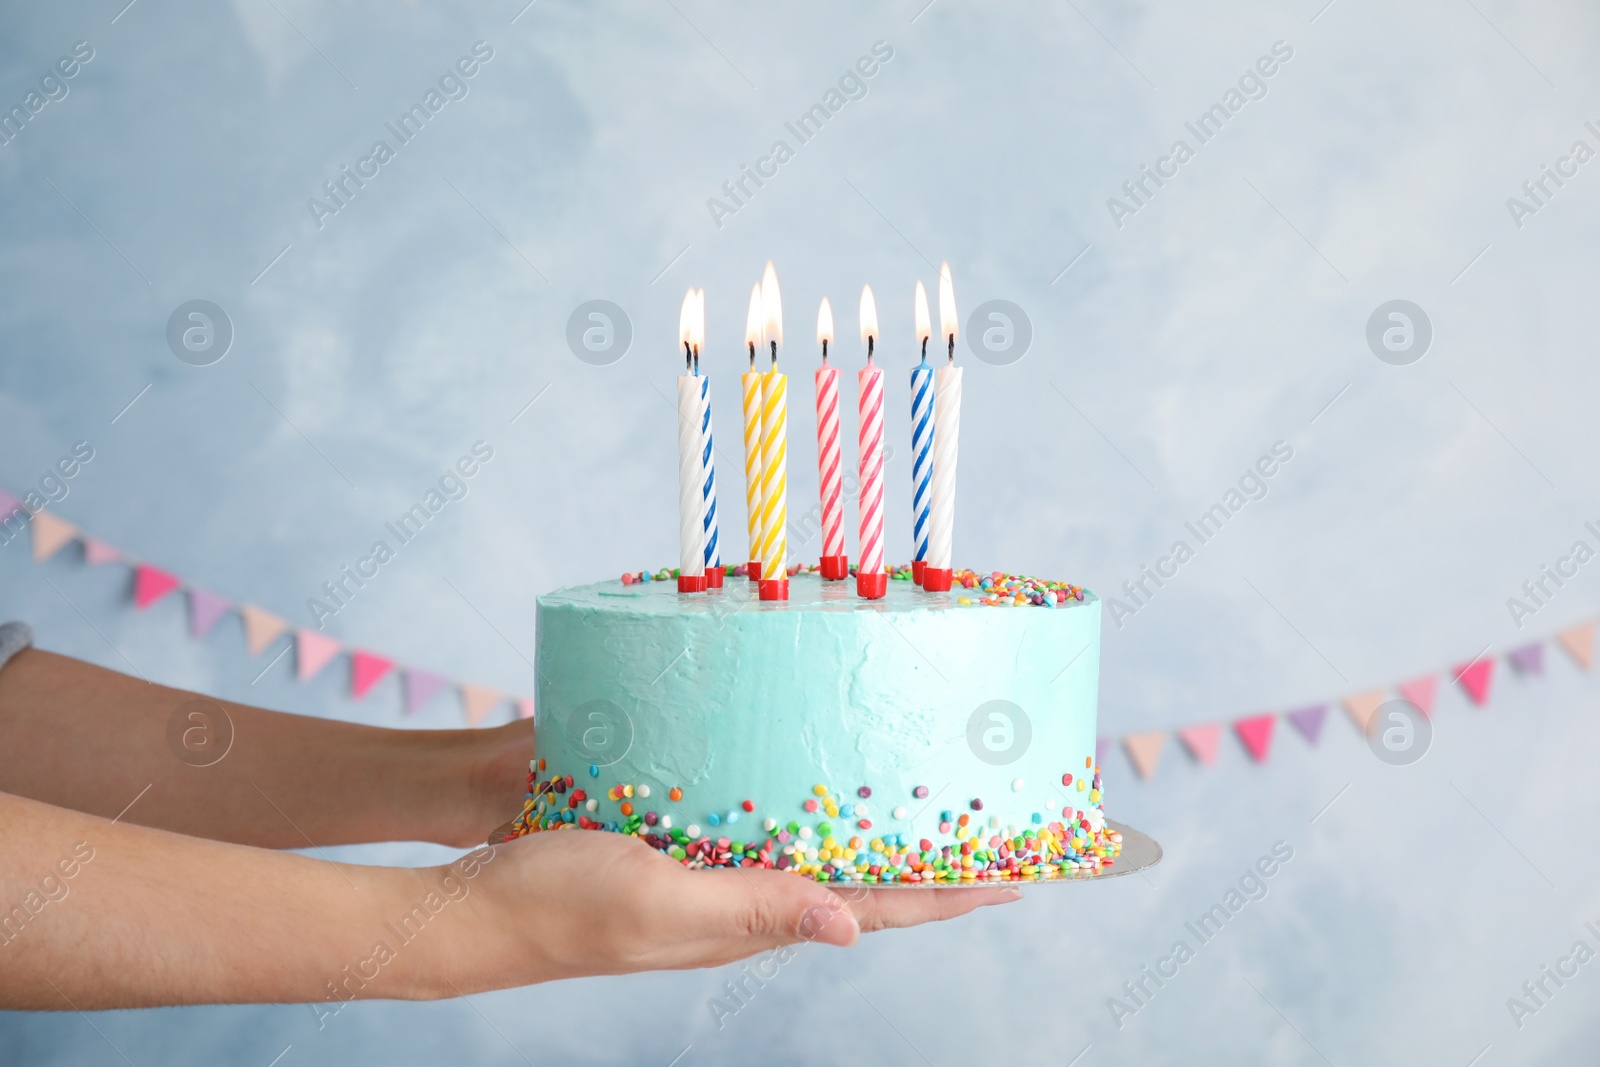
479 701
524 707
312 652
49 534
1361 707
1144 750
1421 691
1201 741
1579 643
261 628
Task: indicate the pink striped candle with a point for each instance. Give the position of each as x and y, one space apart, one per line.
872 582
835 565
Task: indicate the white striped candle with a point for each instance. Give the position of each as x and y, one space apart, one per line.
923 421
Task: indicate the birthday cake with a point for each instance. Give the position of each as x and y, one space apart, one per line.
922 737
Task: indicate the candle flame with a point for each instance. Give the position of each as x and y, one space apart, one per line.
686 319
869 316
771 306
948 323
825 323
924 331
699 336
752 321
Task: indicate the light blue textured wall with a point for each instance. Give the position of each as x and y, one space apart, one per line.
1222 316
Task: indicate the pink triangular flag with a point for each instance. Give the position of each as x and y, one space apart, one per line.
524 707
204 611
1579 643
1256 733
312 652
150 584
49 534
1201 741
420 686
479 701
1362 706
366 671
1529 659
97 552
1475 677
1421 691
261 628
1145 751
1309 721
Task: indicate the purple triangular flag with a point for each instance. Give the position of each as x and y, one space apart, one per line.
8 503
420 688
204 611
1529 659
1309 722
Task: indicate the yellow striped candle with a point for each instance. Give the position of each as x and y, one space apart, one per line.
752 435
774 584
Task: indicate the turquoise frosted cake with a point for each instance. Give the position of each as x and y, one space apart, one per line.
923 737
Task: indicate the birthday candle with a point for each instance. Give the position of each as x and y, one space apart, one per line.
947 415
708 471
835 564
751 380
691 557
923 422
774 583
871 579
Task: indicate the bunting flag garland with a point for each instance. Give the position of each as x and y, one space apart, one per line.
50 534
1202 741
1309 721
261 628
1474 677
150 585
478 700
1361 707
205 611
314 651
1145 751
1256 733
366 671
1421 691
420 687
1529 659
1579 643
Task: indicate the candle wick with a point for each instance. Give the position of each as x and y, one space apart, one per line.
869 348
774 355
688 358
824 351
952 349
752 355
924 349
697 360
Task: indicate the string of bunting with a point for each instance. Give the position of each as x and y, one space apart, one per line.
313 651
1255 732
1202 741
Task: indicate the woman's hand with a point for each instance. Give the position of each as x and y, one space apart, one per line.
571 903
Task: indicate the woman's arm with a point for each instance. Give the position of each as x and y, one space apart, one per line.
82 737
97 914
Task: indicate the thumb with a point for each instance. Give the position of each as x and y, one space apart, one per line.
780 909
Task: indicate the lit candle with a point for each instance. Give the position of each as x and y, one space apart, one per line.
751 380
922 426
708 471
691 557
872 580
947 415
774 584
835 565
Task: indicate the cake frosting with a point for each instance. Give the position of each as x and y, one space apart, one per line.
922 737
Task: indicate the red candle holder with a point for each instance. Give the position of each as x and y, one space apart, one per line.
835 568
714 577
872 586
937 579
773 589
691 583
753 570
917 567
